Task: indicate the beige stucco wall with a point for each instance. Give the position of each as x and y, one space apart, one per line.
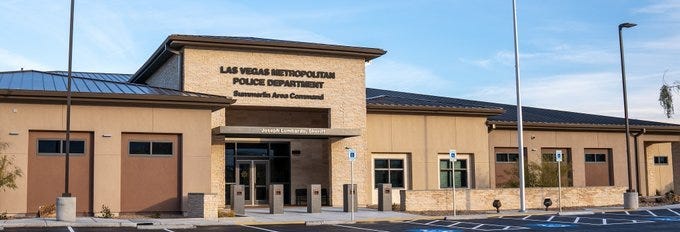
424 138
195 130
345 96
659 176
167 76
577 142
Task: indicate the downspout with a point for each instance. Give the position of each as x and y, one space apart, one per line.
637 162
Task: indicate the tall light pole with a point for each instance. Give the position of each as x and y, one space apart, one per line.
630 198
520 134
66 204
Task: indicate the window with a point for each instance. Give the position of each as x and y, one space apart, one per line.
58 147
150 148
507 157
461 177
660 160
389 171
596 158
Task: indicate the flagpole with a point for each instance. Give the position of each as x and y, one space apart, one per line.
520 134
67 146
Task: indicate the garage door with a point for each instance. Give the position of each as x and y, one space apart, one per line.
150 180
46 169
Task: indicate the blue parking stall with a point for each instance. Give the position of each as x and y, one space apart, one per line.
648 213
465 225
582 220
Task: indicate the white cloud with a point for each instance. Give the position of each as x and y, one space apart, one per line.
394 75
595 93
660 7
13 61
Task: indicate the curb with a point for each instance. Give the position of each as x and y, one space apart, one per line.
318 223
570 213
160 227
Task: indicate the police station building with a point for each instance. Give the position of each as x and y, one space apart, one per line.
206 112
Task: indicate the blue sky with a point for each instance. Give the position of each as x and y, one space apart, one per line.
569 49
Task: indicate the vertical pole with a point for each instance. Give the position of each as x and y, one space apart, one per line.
625 112
67 146
520 134
453 185
352 190
559 185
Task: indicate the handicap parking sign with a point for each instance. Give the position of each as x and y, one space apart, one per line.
452 155
352 154
558 155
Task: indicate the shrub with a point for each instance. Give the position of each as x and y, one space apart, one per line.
8 171
47 211
226 213
106 212
3 216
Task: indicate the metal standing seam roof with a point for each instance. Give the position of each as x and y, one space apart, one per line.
530 114
32 80
115 77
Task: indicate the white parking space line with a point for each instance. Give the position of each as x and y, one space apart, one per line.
453 224
676 213
431 222
527 217
258 228
70 229
583 220
168 230
651 213
627 213
360 228
477 226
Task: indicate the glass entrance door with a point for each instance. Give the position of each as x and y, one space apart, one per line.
254 176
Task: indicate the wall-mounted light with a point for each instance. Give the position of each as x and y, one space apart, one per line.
296 152
106 135
13 133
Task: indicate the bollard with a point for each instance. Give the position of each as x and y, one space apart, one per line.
346 197
314 198
237 199
384 197
276 199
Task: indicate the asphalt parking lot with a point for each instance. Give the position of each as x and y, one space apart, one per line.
642 220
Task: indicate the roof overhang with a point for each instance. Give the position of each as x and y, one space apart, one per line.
285 132
177 42
507 125
404 109
80 98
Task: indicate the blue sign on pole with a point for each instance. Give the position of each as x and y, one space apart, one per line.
452 155
352 154
558 155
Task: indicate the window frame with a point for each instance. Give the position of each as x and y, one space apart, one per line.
389 170
507 157
657 160
595 158
468 178
151 153
62 142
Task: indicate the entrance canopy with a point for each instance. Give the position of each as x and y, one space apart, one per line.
284 132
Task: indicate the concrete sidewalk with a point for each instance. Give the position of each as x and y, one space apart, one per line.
292 215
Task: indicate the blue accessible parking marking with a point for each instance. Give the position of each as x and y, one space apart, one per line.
553 219
464 225
551 225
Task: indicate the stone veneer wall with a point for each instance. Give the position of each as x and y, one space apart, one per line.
481 199
202 205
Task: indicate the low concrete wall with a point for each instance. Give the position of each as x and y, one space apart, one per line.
481 199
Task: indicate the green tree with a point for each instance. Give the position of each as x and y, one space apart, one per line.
666 96
8 171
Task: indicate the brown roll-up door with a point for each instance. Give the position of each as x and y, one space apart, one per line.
150 182
46 171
